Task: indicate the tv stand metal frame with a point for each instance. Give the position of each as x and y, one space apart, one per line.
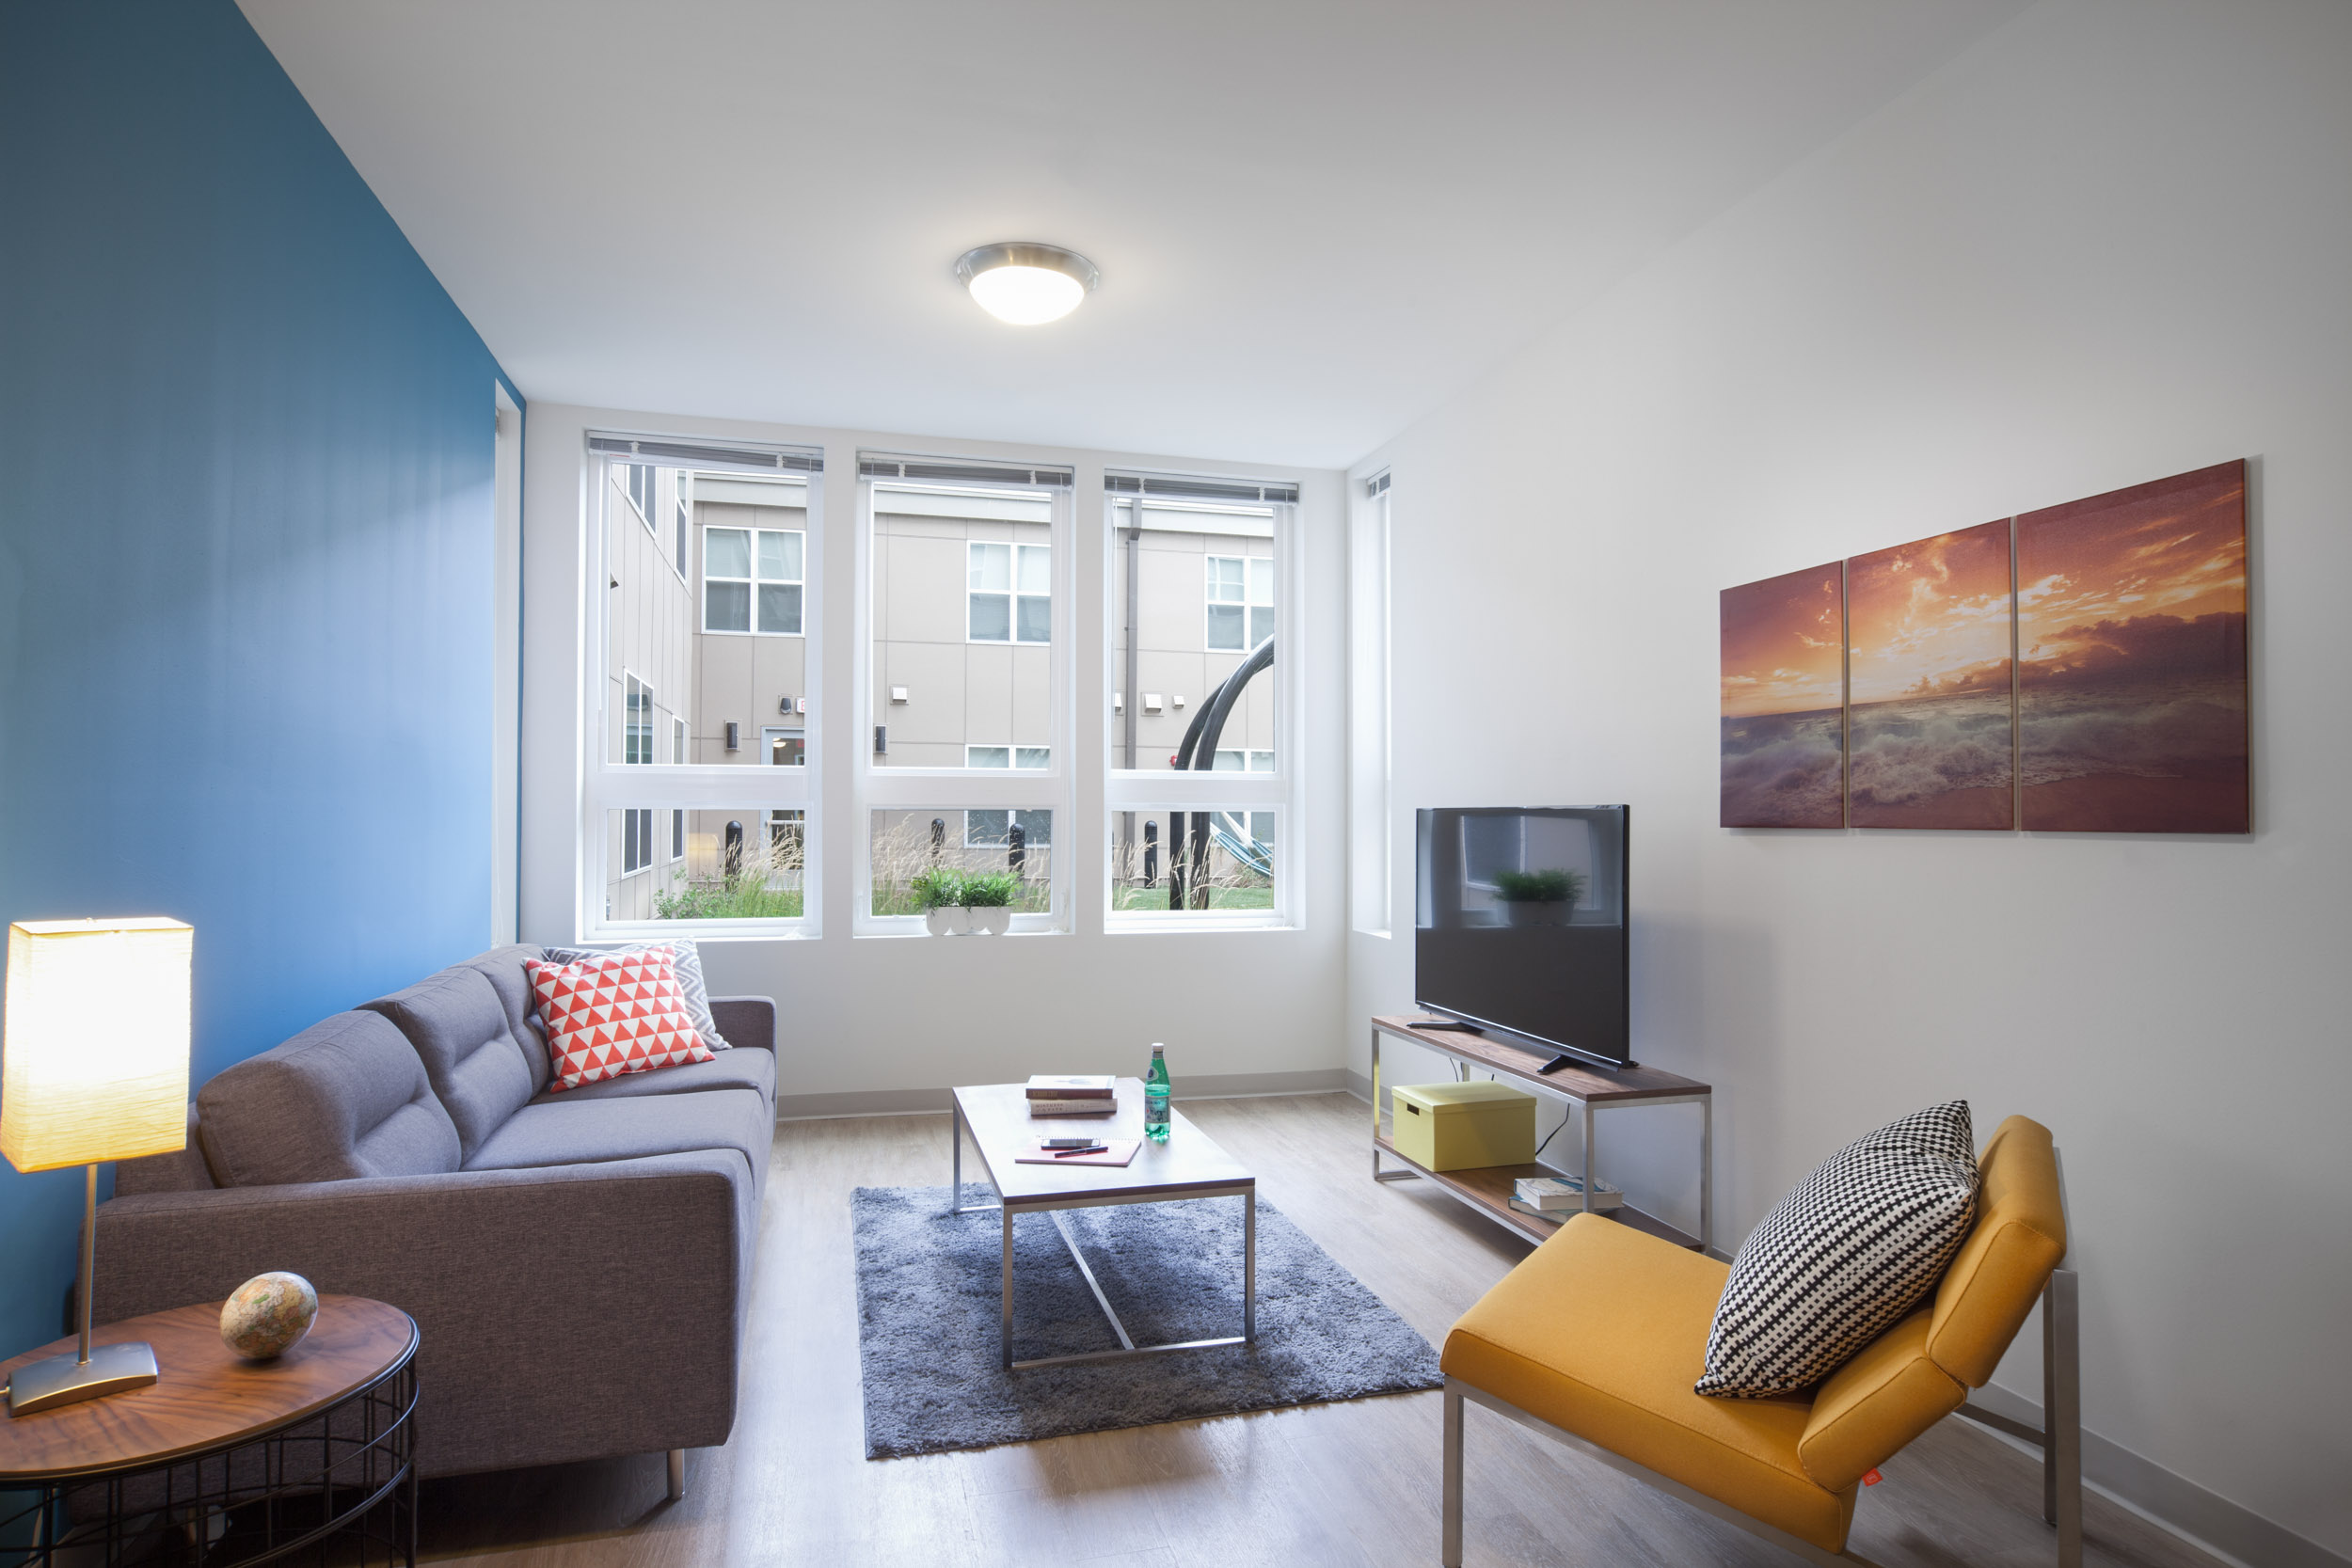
1586 1090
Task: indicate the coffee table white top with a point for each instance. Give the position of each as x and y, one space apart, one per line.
1001 1126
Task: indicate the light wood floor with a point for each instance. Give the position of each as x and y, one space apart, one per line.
1352 1483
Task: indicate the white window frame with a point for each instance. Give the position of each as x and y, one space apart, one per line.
1013 594
749 793
751 584
1371 766
677 835
679 739
1282 790
943 789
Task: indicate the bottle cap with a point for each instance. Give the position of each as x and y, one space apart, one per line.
1157 1048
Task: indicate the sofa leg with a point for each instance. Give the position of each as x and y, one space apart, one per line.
677 1474
2062 1413
1450 1548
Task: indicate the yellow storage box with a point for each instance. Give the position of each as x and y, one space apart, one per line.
1460 1126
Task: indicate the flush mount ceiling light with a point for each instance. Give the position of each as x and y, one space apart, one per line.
1027 284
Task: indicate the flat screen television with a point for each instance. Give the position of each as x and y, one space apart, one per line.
1519 924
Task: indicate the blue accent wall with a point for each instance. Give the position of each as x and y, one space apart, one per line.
245 534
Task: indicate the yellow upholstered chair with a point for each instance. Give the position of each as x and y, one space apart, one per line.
1597 1338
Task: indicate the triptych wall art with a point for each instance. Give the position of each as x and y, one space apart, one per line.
2076 670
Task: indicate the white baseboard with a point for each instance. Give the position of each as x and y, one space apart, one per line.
914 1102
2207 1519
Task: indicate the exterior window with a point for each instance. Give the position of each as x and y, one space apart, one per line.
786 748
641 490
1228 761
1008 756
993 830
678 835
636 841
786 830
682 522
677 741
752 579
1241 602
1011 596
637 733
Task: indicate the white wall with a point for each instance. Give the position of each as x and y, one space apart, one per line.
2112 243
887 1022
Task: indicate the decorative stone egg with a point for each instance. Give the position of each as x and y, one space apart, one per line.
268 1315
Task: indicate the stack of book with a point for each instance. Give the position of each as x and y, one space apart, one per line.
1556 1194
1068 1096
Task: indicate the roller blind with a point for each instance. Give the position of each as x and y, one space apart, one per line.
1193 487
685 454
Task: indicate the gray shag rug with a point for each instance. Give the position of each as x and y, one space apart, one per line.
927 1299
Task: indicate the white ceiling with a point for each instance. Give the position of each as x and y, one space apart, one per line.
1315 218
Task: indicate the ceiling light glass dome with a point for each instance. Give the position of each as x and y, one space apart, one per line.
1027 284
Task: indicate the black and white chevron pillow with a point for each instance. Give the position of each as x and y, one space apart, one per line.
1849 1250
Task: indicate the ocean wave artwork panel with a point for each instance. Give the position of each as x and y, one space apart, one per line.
2132 675
1784 697
1932 723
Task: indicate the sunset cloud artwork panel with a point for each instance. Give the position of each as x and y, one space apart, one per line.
1784 694
2131 635
1930 721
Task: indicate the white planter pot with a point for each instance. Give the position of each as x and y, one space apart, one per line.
996 921
947 921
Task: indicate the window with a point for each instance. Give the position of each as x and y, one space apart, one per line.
1198 571
636 841
751 580
1369 877
1008 756
907 843
686 840
785 748
1011 600
1241 601
637 734
987 830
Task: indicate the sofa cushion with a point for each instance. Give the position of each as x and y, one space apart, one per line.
458 1027
612 1013
732 1069
686 959
503 967
570 1132
1601 1331
1849 1250
347 1097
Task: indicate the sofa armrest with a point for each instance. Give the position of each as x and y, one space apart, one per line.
746 1020
565 1313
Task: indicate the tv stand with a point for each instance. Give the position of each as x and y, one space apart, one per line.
1488 1189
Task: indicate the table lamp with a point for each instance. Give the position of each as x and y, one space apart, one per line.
93 1067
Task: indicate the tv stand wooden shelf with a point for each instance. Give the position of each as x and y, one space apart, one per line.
1488 1189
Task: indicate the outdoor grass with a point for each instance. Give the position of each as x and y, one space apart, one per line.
1143 898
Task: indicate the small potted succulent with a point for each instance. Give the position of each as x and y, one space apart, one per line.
939 893
1540 897
988 898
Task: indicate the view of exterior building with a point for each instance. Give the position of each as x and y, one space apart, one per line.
705 663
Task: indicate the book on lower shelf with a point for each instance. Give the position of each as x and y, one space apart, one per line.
1048 1085
1555 1195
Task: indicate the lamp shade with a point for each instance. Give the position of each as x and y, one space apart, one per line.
94 1061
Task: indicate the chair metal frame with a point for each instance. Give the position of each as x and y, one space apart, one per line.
2059 1437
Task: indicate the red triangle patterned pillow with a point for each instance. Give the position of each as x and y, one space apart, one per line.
615 1013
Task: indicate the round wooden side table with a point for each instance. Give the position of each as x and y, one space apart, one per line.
223 1460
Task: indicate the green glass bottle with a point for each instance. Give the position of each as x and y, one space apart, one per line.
1155 1097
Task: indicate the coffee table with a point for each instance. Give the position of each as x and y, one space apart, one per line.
1189 1165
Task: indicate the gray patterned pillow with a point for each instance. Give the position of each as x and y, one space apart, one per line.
1849 1250
687 962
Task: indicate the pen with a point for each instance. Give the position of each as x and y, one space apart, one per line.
1091 1148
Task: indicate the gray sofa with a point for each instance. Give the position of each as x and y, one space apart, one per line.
577 1262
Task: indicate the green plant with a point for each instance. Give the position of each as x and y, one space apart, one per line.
939 887
1540 887
990 889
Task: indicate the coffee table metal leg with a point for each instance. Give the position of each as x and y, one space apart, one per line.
1005 1325
1250 1266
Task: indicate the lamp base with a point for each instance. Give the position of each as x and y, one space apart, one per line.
65 1380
